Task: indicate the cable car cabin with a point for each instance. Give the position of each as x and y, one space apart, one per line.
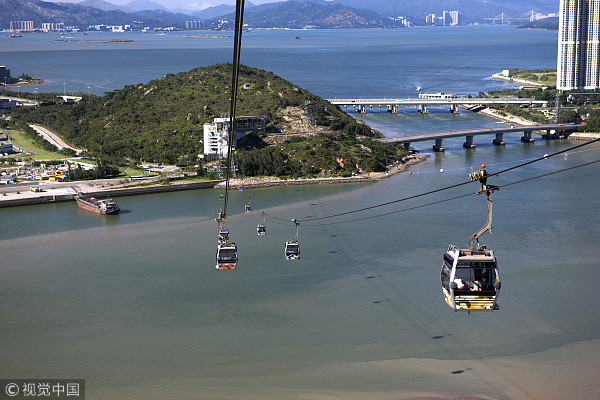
248 208
470 279
223 235
226 256
292 251
261 230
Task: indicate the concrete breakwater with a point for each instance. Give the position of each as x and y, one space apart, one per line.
26 197
68 194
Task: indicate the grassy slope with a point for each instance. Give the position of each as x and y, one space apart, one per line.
545 76
30 145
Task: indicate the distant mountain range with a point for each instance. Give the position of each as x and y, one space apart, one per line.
472 10
336 14
82 16
141 5
104 5
306 14
217 11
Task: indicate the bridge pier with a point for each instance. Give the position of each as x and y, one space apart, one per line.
390 108
362 110
527 137
499 140
556 134
468 143
454 109
437 147
423 109
407 146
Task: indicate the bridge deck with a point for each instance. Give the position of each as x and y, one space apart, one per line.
433 102
485 131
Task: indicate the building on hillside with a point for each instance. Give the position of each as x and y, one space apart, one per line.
430 19
4 75
6 147
53 26
446 20
449 18
455 18
216 133
21 25
7 104
578 64
194 24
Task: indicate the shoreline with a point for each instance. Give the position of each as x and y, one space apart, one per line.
24 196
270 181
34 81
508 118
498 76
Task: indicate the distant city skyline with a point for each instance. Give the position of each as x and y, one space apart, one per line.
185 4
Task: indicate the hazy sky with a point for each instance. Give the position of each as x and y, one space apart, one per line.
188 4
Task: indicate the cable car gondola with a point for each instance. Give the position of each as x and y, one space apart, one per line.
226 256
261 228
247 207
470 279
292 248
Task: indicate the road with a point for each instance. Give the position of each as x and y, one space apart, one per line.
53 138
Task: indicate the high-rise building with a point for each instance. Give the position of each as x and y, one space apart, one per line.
21 25
430 19
578 65
194 24
446 19
456 18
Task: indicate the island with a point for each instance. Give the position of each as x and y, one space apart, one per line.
304 140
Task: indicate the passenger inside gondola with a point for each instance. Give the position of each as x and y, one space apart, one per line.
475 276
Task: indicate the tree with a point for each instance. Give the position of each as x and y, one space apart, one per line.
568 116
592 124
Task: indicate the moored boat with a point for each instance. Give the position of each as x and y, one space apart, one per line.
107 207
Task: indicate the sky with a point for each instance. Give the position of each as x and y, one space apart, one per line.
187 4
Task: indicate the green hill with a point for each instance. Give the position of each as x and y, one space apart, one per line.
163 119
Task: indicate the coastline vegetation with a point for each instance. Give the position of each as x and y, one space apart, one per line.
322 155
544 76
575 106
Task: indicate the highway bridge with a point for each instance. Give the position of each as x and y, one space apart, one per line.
551 131
452 101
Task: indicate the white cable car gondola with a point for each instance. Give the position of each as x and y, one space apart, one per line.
292 248
261 228
226 256
470 279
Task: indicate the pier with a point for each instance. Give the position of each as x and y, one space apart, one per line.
451 101
551 131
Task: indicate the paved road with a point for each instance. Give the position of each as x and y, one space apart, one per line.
53 138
